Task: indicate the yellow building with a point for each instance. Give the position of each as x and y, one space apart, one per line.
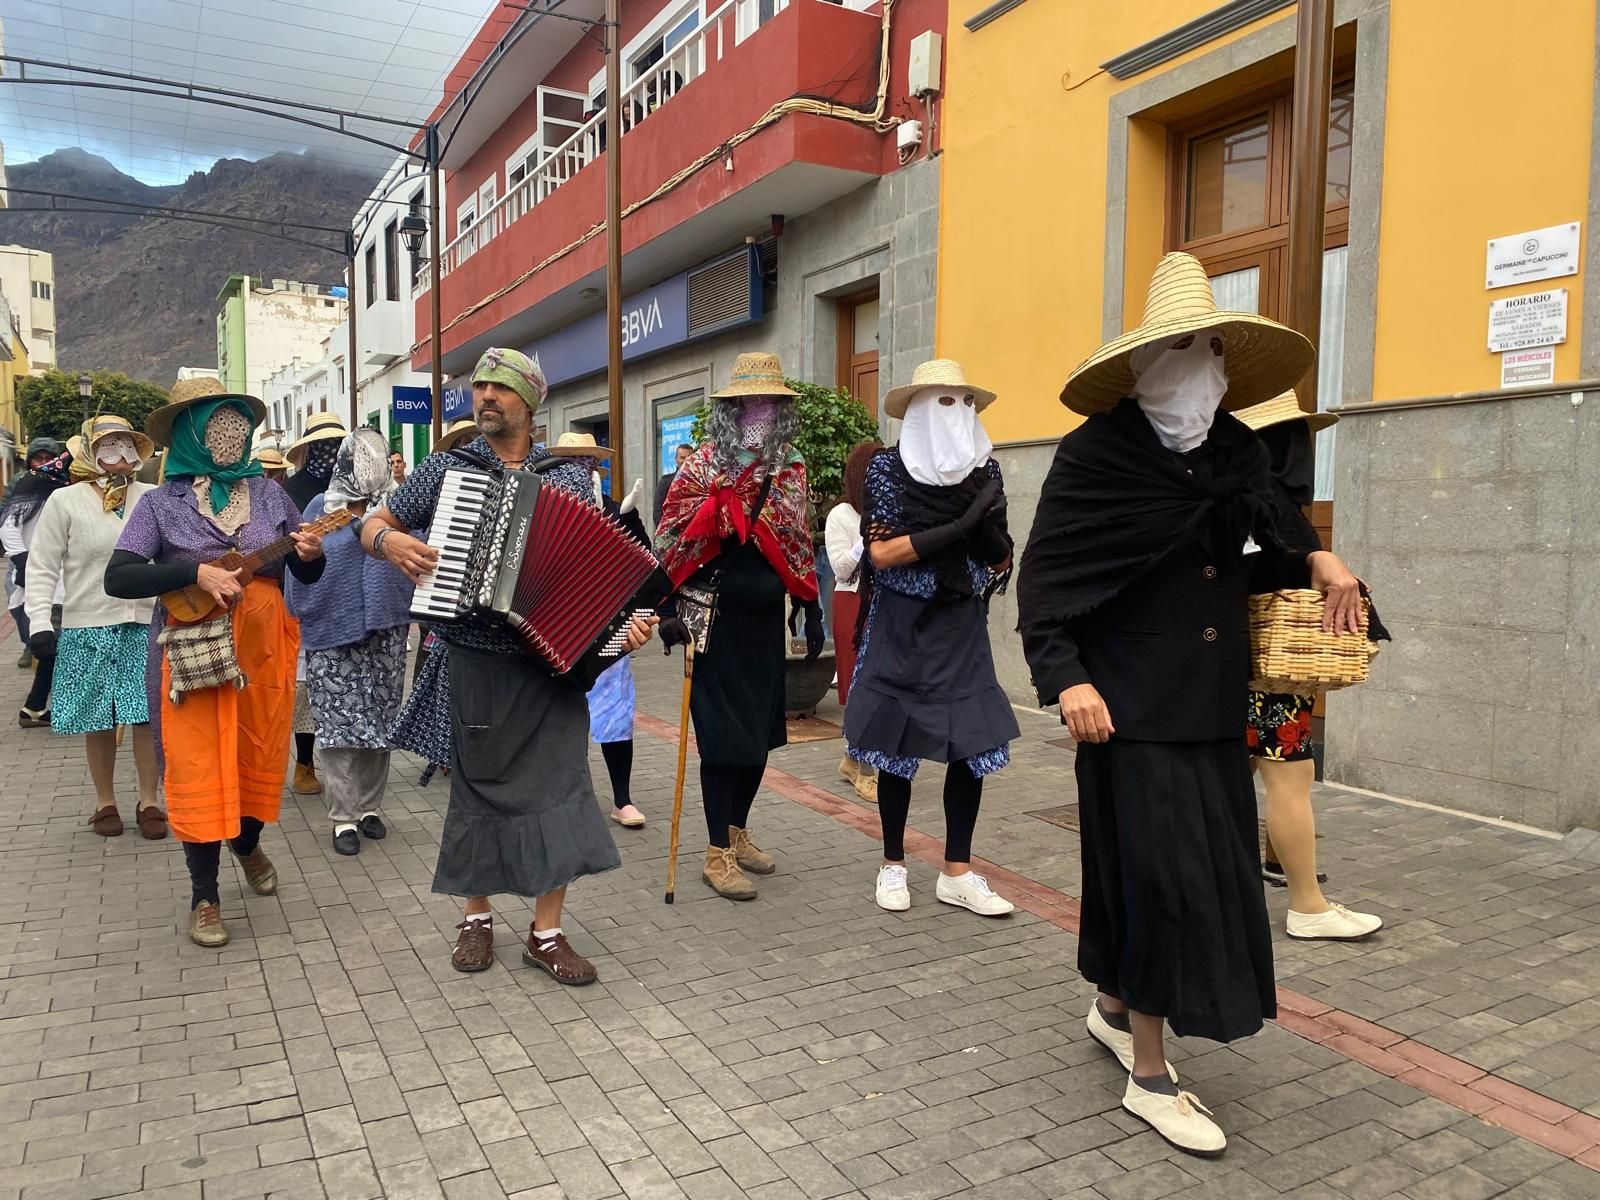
13 367
1085 139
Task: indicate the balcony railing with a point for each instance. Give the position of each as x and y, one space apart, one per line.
724 28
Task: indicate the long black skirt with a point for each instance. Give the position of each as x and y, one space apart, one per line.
1174 920
522 819
737 697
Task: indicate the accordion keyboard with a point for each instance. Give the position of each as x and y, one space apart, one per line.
443 595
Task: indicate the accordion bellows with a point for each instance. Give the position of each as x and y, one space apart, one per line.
1290 652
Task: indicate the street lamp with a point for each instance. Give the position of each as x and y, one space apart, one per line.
85 393
413 228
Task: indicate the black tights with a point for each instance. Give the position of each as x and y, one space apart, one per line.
44 674
729 791
305 745
962 795
204 858
619 765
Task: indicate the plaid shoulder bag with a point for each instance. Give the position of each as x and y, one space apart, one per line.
201 655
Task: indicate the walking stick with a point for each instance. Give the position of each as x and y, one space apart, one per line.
683 764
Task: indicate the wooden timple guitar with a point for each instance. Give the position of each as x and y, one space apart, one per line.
194 603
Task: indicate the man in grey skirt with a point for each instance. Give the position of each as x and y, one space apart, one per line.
523 819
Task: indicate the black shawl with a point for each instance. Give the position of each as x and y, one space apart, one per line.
1116 502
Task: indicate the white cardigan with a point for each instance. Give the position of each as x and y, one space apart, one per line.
72 545
842 537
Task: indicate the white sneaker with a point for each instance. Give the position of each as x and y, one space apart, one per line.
1338 924
1114 1040
972 891
892 894
1181 1120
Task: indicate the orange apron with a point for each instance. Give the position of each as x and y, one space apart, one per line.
226 748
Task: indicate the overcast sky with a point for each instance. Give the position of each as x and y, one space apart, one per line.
381 57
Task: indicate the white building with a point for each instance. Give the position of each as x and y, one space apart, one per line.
28 278
261 326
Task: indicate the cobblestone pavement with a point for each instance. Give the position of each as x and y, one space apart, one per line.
805 1045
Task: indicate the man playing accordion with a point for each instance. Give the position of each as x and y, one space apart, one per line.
523 818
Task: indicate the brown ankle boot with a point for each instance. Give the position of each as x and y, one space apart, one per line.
306 782
723 876
749 855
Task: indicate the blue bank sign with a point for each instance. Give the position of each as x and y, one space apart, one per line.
652 321
412 405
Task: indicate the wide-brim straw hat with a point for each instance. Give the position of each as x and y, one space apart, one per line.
321 427
939 373
1263 358
580 445
755 375
1280 410
187 392
271 459
462 429
107 424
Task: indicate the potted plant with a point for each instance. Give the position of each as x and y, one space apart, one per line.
831 423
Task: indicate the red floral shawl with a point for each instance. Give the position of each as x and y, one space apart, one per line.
704 506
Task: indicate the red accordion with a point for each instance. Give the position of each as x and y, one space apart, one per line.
562 574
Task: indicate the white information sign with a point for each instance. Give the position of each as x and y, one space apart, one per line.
1523 322
1538 254
1526 368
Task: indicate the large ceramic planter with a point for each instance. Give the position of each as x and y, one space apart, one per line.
806 683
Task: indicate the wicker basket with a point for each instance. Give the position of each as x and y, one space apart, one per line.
1289 652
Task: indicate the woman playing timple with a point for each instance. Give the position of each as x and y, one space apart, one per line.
223 746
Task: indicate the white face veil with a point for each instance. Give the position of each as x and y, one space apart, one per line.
942 441
1179 390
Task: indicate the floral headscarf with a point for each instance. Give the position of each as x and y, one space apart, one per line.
361 470
516 371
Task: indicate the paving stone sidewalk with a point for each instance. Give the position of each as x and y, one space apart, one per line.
804 1045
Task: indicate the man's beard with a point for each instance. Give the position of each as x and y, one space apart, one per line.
497 421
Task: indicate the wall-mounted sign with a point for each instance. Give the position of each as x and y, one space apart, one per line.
457 399
673 432
1538 254
412 405
1526 368
1522 322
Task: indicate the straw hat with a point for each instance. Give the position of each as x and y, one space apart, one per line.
940 373
1281 409
107 424
271 459
187 392
580 445
1263 357
321 427
462 429
755 375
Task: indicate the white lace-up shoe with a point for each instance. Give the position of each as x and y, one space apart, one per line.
892 894
1338 924
972 891
1181 1120
1114 1040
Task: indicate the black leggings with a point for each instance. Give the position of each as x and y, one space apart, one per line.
728 791
44 675
305 745
204 858
619 765
962 795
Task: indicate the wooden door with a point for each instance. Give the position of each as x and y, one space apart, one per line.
858 349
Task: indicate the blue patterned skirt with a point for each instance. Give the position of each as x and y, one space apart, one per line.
611 703
99 682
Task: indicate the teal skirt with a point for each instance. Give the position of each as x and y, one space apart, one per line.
99 681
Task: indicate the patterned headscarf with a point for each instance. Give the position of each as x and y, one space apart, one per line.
516 371
319 460
361 471
216 456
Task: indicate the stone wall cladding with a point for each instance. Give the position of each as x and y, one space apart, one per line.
1478 526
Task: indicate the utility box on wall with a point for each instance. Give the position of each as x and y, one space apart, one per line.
927 60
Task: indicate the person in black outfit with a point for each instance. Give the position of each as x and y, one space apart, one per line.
312 457
1132 598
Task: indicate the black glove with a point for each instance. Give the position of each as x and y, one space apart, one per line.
930 542
672 632
19 567
797 608
991 543
43 644
815 637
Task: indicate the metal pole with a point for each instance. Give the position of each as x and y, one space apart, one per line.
1308 176
614 237
350 320
436 282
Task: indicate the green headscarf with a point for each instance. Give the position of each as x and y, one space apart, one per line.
516 371
188 457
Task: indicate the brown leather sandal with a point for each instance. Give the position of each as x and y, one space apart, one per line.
107 822
152 823
559 960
